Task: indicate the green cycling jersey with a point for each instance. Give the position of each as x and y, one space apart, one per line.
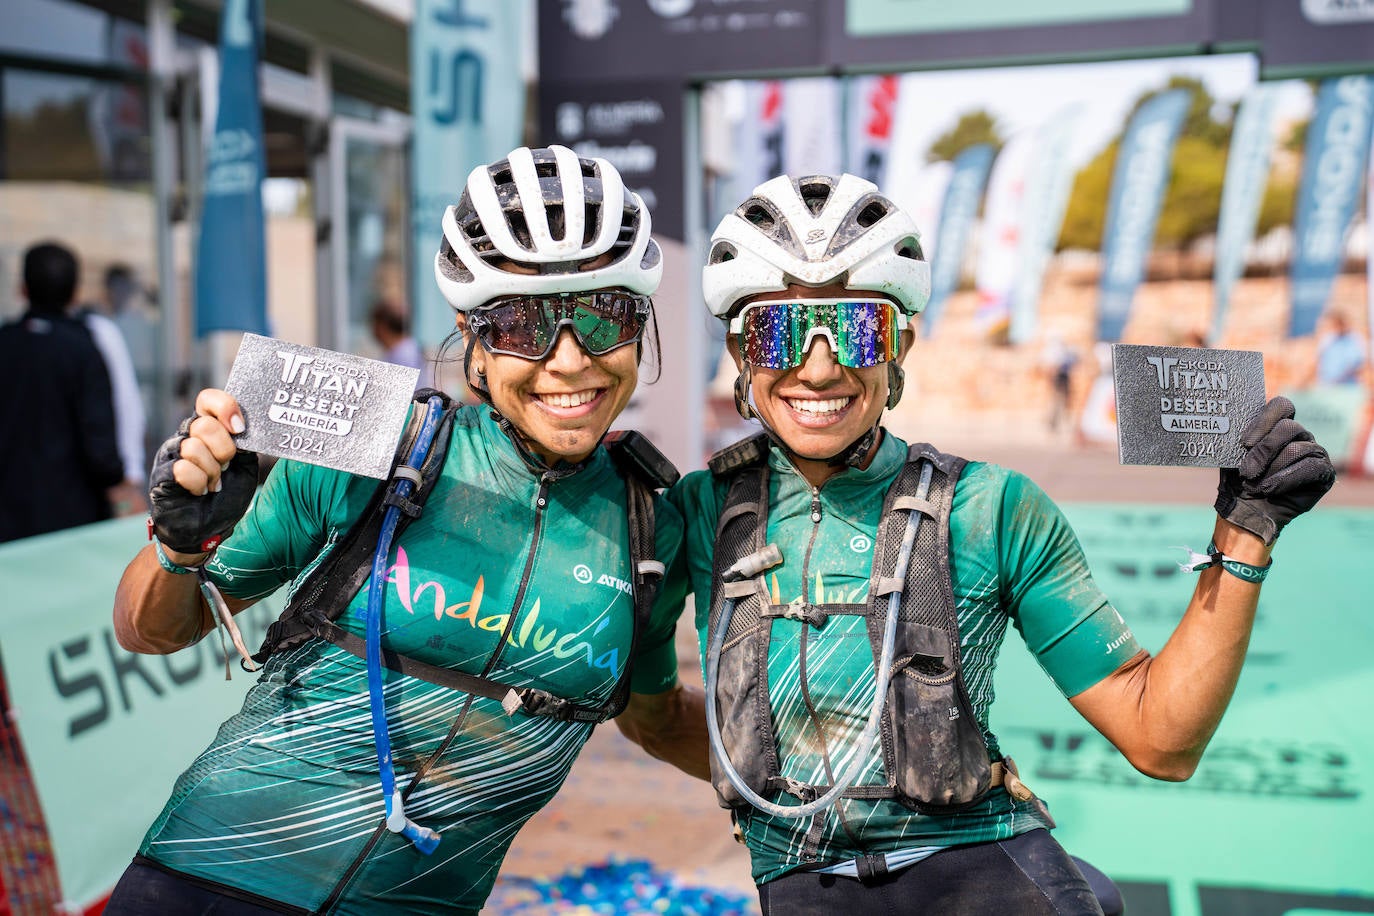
286 804
1014 559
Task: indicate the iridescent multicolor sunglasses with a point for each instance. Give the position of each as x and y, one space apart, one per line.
777 333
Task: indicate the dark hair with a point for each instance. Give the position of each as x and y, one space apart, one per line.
389 316
50 276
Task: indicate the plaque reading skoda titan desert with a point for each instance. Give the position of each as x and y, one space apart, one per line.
332 409
1184 406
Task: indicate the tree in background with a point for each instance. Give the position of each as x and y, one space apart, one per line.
1192 202
972 128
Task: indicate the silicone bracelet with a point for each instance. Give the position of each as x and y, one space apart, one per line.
168 564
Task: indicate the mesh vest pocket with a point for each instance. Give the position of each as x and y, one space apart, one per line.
941 761
744 719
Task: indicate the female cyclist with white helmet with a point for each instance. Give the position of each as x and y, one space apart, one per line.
853 591
388 770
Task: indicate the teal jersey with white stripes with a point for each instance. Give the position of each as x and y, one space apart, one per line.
286 803
1014 560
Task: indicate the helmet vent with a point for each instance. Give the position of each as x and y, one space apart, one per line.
815 196
501 175
591 223
761 217
520 229
589 169
547 169
910 248
871 214
557 224
722 252
451 266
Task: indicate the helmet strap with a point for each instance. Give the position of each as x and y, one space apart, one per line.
854 455
742 406
531 460
896 381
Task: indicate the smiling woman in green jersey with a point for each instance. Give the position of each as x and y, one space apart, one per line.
518 573
853 591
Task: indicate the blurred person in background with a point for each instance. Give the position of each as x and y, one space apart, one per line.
1341 354
61 454
853 592
127 496
389 323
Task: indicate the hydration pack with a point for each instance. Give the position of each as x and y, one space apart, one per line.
324 594
934 755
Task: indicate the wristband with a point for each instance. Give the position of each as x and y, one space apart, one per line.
1241 570
168 564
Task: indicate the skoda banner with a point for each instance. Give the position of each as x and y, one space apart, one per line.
1141 176
999 243
872 108
957 215
231 257
1247 172
467 98
1333 166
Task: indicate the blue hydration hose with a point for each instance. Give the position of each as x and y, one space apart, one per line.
424 839
884 675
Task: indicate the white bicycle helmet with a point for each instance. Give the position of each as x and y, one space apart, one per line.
529 224
815 230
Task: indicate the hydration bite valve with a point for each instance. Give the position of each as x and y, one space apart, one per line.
764 558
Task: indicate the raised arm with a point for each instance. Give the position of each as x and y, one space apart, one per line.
200 486
670 726
1161 711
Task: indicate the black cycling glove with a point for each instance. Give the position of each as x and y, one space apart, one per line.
186 522
1281 475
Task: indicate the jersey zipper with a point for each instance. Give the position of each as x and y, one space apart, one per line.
541 503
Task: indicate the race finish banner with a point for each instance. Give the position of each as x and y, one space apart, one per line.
231 254
106 732
1139 180
1279 818
1334 160
467 98
963 195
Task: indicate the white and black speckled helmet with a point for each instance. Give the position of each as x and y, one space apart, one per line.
531 224
816 230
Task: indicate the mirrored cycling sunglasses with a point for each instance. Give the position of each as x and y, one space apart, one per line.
776 334
528 326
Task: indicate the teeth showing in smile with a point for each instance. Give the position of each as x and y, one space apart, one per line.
576 399
819 408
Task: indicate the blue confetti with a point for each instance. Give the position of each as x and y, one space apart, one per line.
616 888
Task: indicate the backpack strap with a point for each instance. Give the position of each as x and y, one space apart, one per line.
326 590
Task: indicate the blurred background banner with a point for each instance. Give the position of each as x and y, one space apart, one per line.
999 245
1247 170
1334 161
812 111
106 732
1143 164
1049 178
231 274
872 107
467 101
958 212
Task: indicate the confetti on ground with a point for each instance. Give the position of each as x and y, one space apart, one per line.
619 887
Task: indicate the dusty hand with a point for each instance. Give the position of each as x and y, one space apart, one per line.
201 483
1282 474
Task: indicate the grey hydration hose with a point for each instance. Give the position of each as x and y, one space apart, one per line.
751 566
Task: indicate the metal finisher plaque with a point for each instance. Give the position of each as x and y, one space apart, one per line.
326 408
1184 406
